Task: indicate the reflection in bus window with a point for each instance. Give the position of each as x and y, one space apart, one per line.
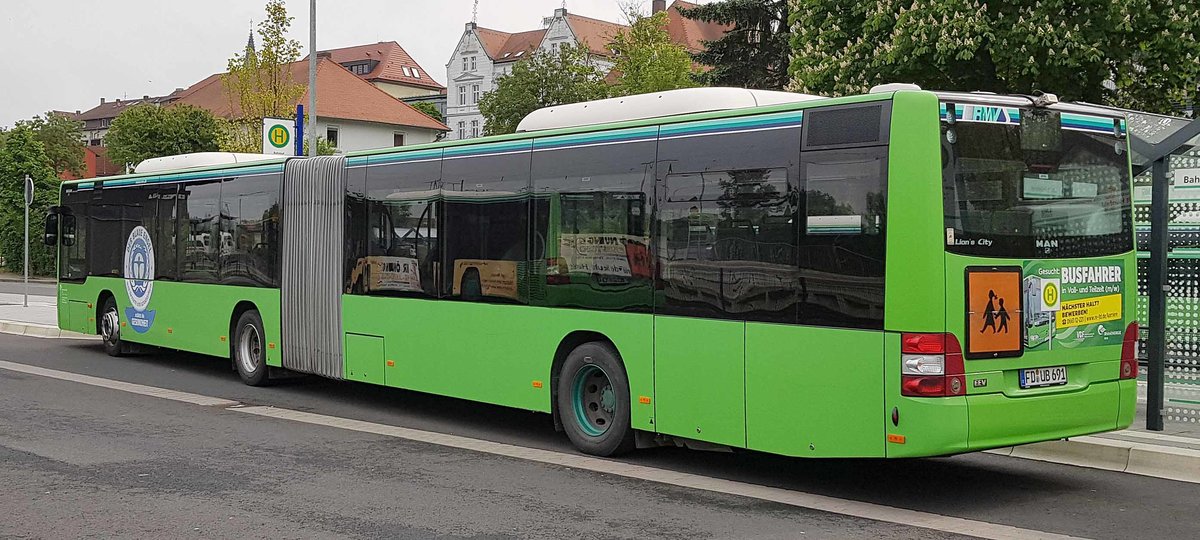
591 244
727 245
402 252
250 231
841 256
199 229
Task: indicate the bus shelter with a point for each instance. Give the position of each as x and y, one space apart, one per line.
1166 162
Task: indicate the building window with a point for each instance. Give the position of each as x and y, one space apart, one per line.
331 135
474 93
416 73
360 69
466 66
462 130
94 142
397 139
462 95
473 65
474 128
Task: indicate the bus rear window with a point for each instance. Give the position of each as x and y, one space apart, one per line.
1060 196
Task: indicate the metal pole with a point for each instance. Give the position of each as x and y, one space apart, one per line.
1156 341
312 78
28 197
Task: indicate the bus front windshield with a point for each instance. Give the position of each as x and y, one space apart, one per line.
1046 192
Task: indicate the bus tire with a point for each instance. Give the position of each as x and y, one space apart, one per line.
248 350
109 327
593 400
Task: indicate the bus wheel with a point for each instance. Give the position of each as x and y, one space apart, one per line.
249 351
593 400
110 328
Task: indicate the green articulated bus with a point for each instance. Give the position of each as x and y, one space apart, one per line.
897 274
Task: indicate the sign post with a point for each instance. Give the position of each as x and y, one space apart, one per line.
28 201
278 135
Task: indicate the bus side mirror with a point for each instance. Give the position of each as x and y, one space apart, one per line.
68 230
50 237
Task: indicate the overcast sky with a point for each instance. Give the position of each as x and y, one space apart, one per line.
67 54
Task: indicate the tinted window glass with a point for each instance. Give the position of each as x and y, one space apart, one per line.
113 214
403 254
727 245
485 227
1007 196
249 252
162 228
199 229
591 238
853 125
356 225
74 225
842 251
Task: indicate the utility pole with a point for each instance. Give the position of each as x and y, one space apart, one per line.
312 78
28 201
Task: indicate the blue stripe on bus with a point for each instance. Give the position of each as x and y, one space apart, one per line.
703 127
180 177
614 136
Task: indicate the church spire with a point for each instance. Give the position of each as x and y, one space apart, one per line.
250 40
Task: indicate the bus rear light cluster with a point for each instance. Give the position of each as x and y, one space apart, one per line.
1129 352
931 365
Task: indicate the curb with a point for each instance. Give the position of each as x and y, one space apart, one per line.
39 331
1168 462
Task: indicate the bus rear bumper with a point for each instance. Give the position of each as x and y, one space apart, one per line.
997 420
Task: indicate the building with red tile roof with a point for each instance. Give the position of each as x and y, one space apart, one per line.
483 55
351 112
387 65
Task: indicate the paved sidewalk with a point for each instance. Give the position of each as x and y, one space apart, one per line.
1173 453
39 319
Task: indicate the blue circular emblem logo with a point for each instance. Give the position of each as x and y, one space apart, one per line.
139 268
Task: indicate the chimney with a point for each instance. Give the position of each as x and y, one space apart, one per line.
560 12
658 5
323 54
146 97
77 112
102 101
471 26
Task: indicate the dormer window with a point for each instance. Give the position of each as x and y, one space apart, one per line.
360 68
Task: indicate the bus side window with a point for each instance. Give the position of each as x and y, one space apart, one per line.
843 246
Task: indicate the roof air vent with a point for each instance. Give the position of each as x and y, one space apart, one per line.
892 87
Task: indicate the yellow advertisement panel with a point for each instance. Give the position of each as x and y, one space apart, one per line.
1096 309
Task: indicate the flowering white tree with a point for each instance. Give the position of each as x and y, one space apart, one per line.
1136 53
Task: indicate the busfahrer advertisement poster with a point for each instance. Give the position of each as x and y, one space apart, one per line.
1073 304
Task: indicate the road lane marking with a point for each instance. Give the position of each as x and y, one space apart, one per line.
864 510
153 391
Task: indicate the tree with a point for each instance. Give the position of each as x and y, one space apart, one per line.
567 75
61 139
647 60
755 52
259 81
429 110
149 131
21 153
1140 54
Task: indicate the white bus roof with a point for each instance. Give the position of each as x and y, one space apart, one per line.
199 159
655 105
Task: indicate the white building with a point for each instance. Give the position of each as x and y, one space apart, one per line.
483 55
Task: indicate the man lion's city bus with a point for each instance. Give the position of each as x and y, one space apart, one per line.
903 273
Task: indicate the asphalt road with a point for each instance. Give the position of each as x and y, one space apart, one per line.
35 288
79 460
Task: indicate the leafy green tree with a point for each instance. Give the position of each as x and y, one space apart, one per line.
568 75
259 81
149 131
647 60
755 52
429 110
62 140
21 153
1141 54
